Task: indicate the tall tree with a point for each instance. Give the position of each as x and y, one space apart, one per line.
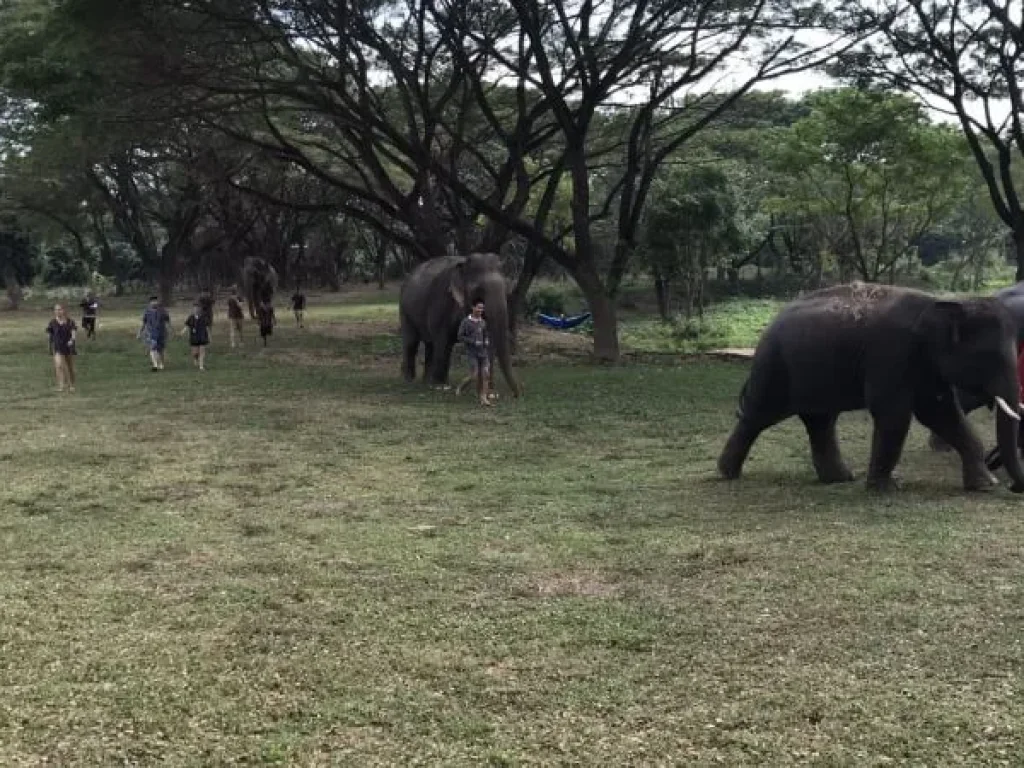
640 59
873 172
963 57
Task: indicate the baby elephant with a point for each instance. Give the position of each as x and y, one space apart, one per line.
898 353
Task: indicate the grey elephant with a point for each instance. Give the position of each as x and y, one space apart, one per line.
898 353
435 298
1013 299
259 281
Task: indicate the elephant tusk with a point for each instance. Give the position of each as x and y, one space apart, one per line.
1007 409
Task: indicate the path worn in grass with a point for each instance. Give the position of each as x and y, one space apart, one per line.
297 559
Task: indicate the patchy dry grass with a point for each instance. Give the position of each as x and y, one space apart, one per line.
297 559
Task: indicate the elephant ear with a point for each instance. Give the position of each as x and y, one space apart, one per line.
943 324
457 284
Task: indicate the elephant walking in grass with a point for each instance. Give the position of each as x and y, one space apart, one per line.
435 298
898 353
259 281
1013 299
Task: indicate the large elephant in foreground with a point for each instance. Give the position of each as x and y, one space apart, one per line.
259 281
897 352
1013 299
435 298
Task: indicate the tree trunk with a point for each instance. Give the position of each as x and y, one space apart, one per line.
532 261
167 275
661 291
1018 246
13 288
602 308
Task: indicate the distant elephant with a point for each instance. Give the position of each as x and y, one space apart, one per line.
206 302
897 352
1013 299
259 281
435 298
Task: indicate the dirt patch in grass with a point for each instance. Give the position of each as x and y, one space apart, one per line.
572 584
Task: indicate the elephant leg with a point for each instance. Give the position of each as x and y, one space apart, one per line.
828 461
742 439
947 421
410 348
428 361
891 425
443 362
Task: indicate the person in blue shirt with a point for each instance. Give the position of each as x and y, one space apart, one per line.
154 331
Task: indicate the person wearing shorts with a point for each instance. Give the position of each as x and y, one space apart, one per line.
197 327
299 306
62 333
473 335
90 308
267 320
154 330
235 318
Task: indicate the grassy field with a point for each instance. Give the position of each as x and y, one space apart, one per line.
297 559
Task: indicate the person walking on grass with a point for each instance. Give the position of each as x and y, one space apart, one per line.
90 308
473 335
62 333
235 318
267 320
154 330
197 326
299 306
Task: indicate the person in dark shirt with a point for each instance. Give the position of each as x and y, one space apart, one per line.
154 330
198 329
299 306
62 333
235 318
267 320
90 309
473 335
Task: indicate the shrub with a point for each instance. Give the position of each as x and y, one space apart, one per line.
546 299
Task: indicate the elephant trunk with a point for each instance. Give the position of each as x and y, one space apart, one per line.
1006 394
1007 432
496 303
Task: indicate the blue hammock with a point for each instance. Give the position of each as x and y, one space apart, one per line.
563 323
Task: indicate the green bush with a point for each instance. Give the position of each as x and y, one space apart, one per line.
546 299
